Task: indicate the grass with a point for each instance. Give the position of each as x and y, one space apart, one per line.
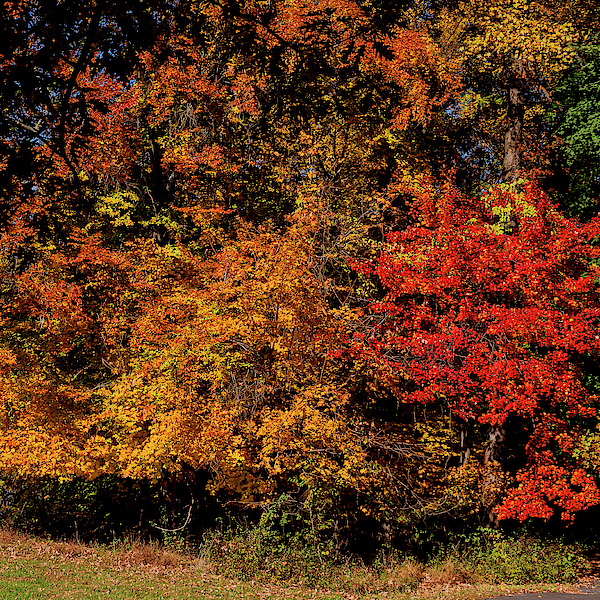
35 568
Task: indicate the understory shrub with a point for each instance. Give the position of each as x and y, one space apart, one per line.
283 546
496 558
266 553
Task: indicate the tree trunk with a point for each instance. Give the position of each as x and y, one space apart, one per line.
514 132
510 173
496 439
493 452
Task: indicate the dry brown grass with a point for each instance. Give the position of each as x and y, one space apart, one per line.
451 571
22 546
449 578
140 554
130 555
408 576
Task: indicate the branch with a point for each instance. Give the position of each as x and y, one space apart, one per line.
187 521
36 129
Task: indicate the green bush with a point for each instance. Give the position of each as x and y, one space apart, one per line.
284 546
497 558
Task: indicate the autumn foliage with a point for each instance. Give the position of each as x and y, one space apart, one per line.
231 245
490 308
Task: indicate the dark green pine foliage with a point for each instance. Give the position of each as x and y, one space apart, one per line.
576 121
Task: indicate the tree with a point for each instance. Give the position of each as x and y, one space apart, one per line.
159 311
496 325
575 122
183 184
512 56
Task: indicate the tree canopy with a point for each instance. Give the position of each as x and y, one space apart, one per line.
304 248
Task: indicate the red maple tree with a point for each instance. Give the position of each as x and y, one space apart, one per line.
491 307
